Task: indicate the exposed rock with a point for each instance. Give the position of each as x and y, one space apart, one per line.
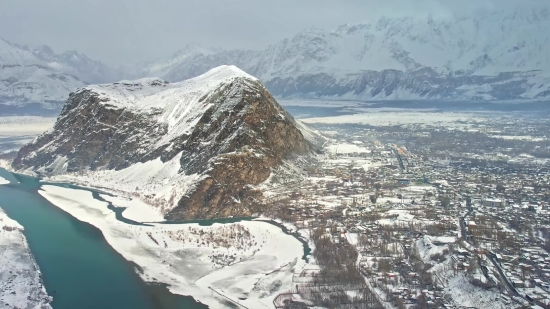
225 124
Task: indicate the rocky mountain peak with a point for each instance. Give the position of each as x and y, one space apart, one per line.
212 139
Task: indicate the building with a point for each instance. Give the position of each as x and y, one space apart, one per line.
493 202
404 181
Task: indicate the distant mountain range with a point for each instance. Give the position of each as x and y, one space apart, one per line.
485 55
38 75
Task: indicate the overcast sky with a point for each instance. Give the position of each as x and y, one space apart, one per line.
129 31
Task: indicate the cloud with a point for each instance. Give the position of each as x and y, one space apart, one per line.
127 31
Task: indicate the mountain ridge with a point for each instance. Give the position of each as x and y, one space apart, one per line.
39 75
463 57
204 144
483 55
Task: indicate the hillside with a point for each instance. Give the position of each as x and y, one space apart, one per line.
195 149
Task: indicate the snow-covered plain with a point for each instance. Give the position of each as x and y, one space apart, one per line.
21 284
389 118
136 209
24 125
346 148
16 131
248 263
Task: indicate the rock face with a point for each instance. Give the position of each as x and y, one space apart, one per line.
223 127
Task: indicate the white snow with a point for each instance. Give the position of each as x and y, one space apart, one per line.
467 295
472 43
136 210
156 183
179 105
202 261
20 282
388 118
427 249
508 37
25 125
520 137
346 148
39 75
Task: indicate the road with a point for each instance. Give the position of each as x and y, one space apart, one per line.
511 287
491 256
401 165
462 221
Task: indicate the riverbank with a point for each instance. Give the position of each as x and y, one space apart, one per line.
21 284
248 262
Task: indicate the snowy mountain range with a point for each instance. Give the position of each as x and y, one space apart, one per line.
484 55
38 75
497 55
194 149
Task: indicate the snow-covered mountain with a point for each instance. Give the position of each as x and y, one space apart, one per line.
195 149
38 75
488 55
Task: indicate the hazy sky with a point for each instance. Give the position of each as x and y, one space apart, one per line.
128 31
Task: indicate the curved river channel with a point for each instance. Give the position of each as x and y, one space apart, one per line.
79 268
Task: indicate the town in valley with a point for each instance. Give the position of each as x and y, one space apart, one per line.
423 214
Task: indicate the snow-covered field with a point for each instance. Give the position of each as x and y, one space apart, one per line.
400 216
346 148
25 125
520 138
247 263
20 283
16 131
457 285
467 295
398 117
136 209
318 103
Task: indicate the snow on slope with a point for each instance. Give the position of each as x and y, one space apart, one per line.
34 83
202 261
139 183
38 75
159 182
180 104
20 283
405 58
161 143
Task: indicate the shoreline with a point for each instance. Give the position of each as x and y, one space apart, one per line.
201 276
18 264
151 261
